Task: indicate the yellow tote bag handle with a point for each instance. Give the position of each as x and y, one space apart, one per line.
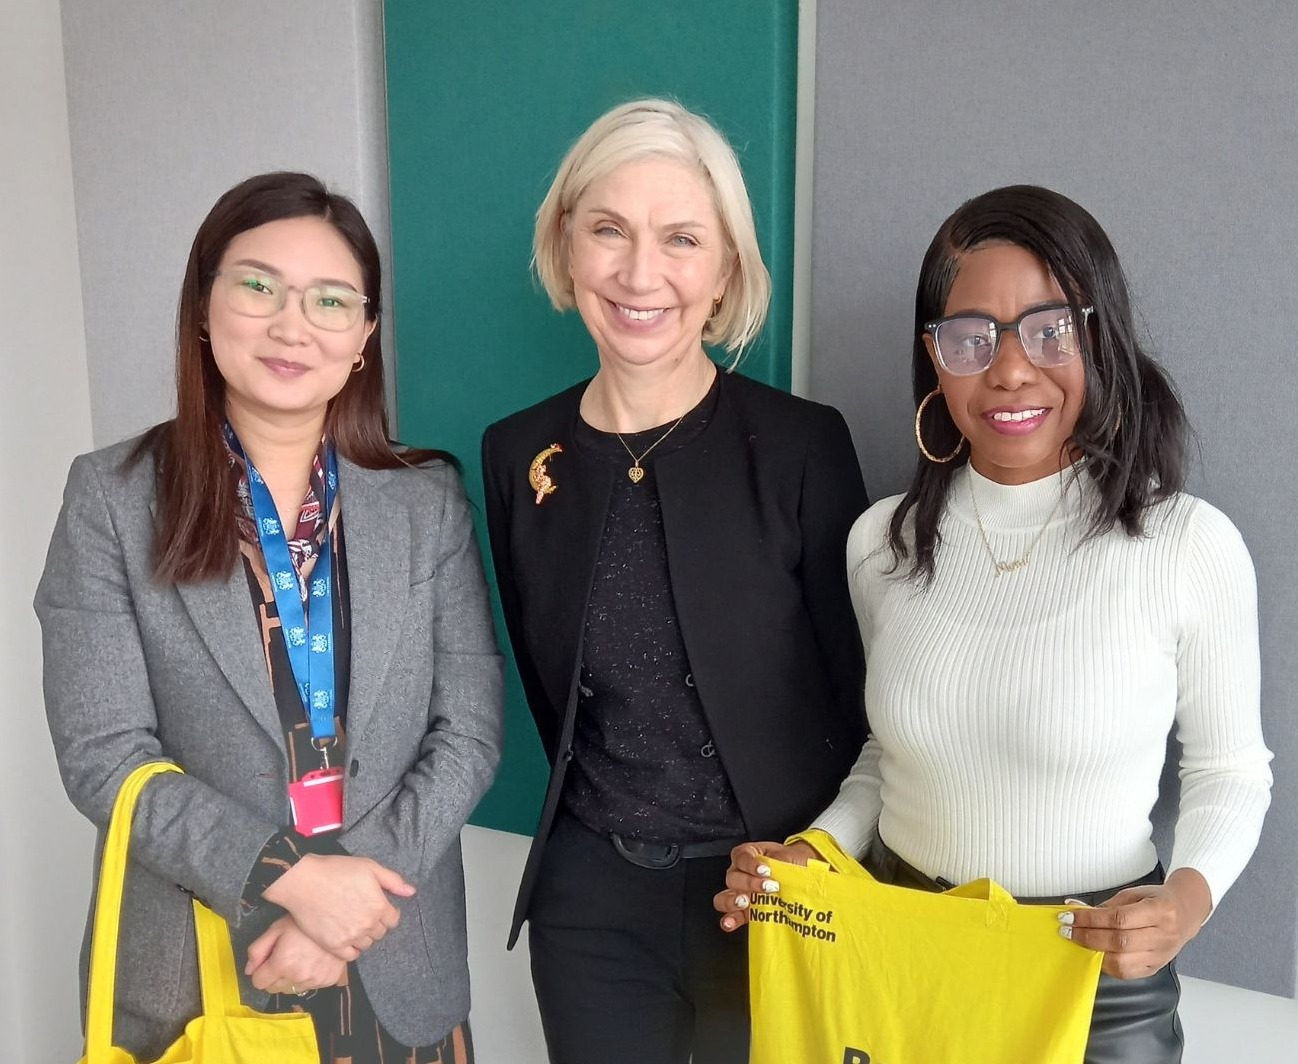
227 1031
108 913
998 898
830 851
216 970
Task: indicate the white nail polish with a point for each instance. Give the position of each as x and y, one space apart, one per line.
763 870
742 901
1066 918
770 886
1076 901
1067 932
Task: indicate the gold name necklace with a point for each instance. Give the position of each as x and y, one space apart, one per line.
1013 565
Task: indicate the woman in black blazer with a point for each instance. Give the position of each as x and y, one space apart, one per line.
669 545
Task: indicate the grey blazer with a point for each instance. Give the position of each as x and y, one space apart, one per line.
136 671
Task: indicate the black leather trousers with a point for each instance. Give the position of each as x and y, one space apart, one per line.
1134 1020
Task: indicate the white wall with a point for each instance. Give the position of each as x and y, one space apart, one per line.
44 422
504 1019
1226 1023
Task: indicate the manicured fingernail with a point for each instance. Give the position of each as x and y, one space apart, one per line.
1066 918
742 901
1076 901
770 886
1067 932
727 923
763 870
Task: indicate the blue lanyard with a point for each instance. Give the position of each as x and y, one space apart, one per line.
308 633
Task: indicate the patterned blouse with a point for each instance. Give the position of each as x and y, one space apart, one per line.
347 1030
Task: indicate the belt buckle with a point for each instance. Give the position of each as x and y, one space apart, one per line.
650 855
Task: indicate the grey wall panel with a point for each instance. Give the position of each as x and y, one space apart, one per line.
171 104
1177 126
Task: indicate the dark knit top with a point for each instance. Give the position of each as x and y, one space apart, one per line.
644 763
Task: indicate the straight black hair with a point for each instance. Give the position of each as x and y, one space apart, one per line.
1132 433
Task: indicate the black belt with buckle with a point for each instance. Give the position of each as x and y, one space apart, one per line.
667 854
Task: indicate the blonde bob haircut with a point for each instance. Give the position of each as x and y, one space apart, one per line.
644 129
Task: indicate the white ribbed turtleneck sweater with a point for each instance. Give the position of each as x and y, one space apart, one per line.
1019 722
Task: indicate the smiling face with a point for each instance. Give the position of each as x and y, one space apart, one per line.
282 364
1017 417
648 257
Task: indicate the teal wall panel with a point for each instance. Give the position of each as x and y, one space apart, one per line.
484 98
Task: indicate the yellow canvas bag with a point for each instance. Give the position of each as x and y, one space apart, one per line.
846 970
227 1032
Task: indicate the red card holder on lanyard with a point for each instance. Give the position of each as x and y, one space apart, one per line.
316 801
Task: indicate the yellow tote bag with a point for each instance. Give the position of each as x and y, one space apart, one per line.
227 1032
846 970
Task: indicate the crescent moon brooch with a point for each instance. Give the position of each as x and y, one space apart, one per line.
539 476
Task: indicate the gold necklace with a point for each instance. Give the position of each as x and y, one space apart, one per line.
1021 562
636 474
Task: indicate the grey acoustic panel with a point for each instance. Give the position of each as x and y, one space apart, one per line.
1176 124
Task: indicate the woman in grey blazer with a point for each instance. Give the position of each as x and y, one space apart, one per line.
266 592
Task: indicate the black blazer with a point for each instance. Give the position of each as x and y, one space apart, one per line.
756 513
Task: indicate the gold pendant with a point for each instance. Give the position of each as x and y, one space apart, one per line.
1011 567
635 474
539 477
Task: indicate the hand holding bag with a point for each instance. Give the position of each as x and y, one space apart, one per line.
227 1032
846 970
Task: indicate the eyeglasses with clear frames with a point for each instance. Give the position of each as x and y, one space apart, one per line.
255 293
967 343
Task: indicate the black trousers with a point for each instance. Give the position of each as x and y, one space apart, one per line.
1134 1020
629 963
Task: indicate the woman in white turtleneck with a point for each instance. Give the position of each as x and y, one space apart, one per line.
1038 611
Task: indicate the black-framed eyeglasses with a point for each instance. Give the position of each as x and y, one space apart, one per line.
967 343
255 293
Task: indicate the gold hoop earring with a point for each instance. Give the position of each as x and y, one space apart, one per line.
716 307
204 337
359 365
919 439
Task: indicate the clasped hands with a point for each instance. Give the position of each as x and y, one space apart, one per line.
336 908
1139 930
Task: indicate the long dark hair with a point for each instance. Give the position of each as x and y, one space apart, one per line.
1132 432
196 537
